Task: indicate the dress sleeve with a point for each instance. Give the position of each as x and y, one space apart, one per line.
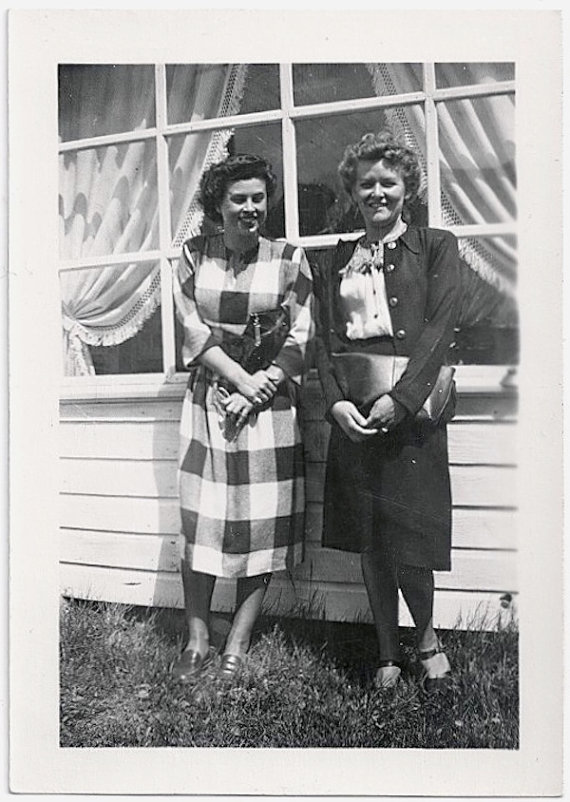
330 387
198 336
292 357
430 351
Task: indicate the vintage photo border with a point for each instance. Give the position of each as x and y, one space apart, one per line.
38 40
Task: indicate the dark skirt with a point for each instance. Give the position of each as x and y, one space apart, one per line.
391 491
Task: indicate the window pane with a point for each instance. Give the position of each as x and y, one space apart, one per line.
477 146
108 200
139 354
99 99
261 92
178 335
178 332
187 153
265 141
324 83
112 315
205 91
323 205
465 74
488 330
494 257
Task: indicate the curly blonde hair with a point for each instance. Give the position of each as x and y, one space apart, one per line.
382 146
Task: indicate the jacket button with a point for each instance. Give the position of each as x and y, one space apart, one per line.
391 245
389 268
400 334
393 301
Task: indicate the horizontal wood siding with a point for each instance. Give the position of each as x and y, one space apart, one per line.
120 520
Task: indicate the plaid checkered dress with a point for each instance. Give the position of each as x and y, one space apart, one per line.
242 501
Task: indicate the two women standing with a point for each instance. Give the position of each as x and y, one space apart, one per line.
387 495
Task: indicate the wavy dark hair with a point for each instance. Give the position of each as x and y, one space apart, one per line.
218 177
373 148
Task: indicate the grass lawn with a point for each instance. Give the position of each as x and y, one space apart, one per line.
306 684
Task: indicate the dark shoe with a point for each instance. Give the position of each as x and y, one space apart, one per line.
388 674
189 665
231 664
437 671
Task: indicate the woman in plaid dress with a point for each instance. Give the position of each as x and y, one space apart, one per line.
241 473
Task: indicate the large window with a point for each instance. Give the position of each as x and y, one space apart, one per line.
135 139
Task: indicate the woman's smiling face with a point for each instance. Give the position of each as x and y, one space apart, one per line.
379 192
244 206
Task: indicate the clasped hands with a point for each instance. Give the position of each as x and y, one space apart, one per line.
253 391
384 415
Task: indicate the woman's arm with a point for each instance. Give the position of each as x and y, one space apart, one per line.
337 409
323 313
431 348
292 356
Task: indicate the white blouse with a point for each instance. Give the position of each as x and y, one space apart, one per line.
363 290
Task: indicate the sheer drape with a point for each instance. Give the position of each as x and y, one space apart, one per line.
109 202
476 158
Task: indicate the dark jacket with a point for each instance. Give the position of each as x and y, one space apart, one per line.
421 272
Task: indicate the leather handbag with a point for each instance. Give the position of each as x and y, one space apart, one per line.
261 341
263 338
365 377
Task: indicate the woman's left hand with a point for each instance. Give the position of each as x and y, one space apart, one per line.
238 406
385 414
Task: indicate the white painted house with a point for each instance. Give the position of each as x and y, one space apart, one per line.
134 141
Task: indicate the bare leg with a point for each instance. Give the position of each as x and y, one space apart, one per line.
380 578
198 589
250 594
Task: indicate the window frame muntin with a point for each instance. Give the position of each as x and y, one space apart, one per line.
430 96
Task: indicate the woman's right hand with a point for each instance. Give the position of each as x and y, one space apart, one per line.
352 423
256 387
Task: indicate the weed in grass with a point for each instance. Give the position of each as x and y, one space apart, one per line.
305 684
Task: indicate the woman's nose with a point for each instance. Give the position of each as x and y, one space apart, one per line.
249 205
377 190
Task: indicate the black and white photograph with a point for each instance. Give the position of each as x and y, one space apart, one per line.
301 483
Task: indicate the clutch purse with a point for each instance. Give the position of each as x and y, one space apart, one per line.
365 377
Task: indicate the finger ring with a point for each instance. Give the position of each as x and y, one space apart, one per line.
384 429
257 401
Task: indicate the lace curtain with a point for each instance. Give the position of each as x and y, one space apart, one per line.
108 196
476 158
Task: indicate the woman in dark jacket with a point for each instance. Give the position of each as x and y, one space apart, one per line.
387 494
